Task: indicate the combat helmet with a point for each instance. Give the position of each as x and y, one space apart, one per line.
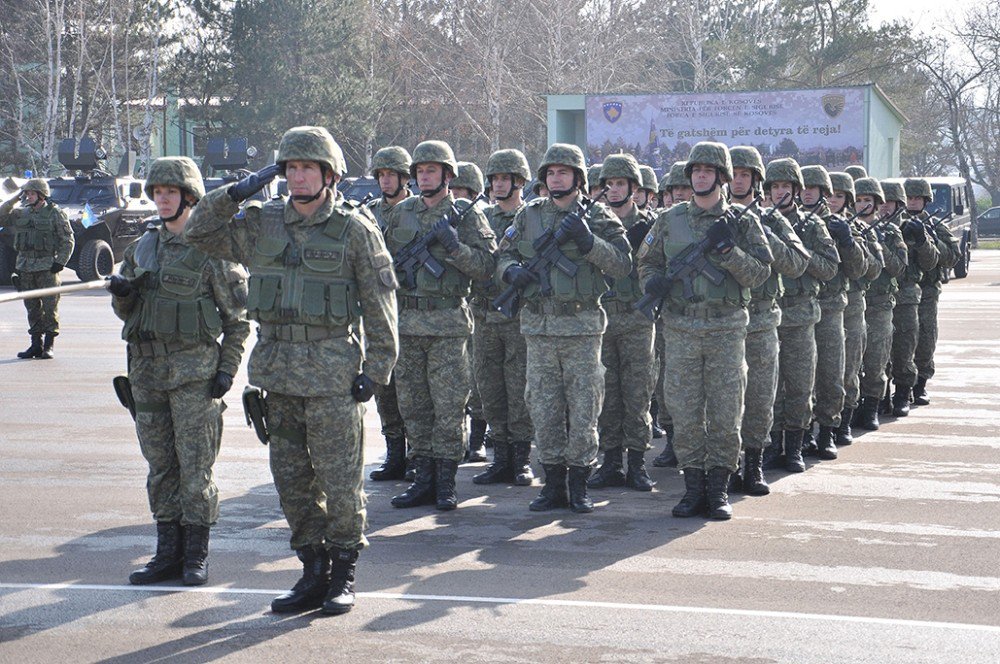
392 158
37 185
893 192
648 178
816 176
845 183
180 172
564 154
747 156
856 171
469 177
434 152
311 144
783 170
594 174
918 187
620 166
508 161
869 187
676 177
713 154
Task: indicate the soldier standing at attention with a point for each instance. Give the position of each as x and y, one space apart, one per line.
663 192
645 195
391 167
43 240
500 352
563 327
175 302
435 324
319 275
790 260
704 368
627 347
918 196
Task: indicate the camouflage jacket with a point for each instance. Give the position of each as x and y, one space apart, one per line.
50 220
950 252
855 260
922 259
790 260
380 210
894 257
796 308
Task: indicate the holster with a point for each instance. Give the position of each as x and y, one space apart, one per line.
123 389
255 410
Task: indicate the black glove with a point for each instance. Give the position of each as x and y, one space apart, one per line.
15 280
636 234
56 268
446 235
914 231
362 388
721 237
573 227
119 286
519 277
657 285
223 383
253 183
840 231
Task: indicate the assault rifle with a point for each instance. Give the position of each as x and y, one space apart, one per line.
547 255
687 265
416 254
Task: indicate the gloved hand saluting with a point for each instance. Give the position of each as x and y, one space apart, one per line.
253 183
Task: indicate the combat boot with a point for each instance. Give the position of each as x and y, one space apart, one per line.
308 592
195 555
168 562
667 458
844 434
611 473
825 448
501 469
444 478
34 350
920 397
421 492
754 483
809 447
394 466
885 406
774 453
47 345
693 503
637 478
554 494
477 442
654 413
411 470
736 479
794 463
719 508
901 401
340 597
578 500
867 415
521 463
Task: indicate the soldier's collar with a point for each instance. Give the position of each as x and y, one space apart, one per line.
322 213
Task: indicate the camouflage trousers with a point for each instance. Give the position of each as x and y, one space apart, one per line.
564 392
762 384
432 379
475 405
923 356
905 333
878 344
500 359
628 356
828 387
663 417
387 404
796 377
317 462
43 312
854 347
704 381
179 432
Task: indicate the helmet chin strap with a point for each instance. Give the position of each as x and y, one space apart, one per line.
180 210
303 198
436 190
715 183
399 187
563 193
622 202
513 187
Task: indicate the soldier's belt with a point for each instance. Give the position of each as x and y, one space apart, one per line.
429 303
618 307
158 348
557 308
760 306
698 310
302 333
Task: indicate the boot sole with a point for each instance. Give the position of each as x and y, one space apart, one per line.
165 576
336 611
299 608
764 491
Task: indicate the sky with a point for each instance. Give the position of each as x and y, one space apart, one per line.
925 14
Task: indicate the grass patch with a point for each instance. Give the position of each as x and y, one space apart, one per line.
989 244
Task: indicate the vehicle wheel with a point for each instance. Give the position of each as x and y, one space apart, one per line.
962 266
96 261
7 258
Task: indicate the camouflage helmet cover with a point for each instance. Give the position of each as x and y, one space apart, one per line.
564 154
594 174
713 154
648 178
37 185
816 176
869 187
918 187
676 177
783 170
180 172
311 144
664 183
508 161
893 192
536 187
434 152
747 156
620 166
392 158
843 182
469 177
856 171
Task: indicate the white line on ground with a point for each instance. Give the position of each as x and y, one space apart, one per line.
569 603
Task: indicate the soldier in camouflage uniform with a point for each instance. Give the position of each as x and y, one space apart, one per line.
761 347
799 314
923 258
828 388
880 298
435 324
44 242
320 275
645 195
501 354
563 327
627 347
665 199
704 366
594 179
175 302
918 196
391 167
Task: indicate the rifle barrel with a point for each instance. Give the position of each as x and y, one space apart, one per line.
54 290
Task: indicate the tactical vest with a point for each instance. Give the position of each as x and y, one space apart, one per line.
884 283
173 306
375 207
453 283
729 292
35 232
587 286
311 284
805 284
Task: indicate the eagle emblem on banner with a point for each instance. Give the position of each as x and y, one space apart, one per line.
612 111
833 104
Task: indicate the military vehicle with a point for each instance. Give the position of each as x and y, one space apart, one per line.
227 160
